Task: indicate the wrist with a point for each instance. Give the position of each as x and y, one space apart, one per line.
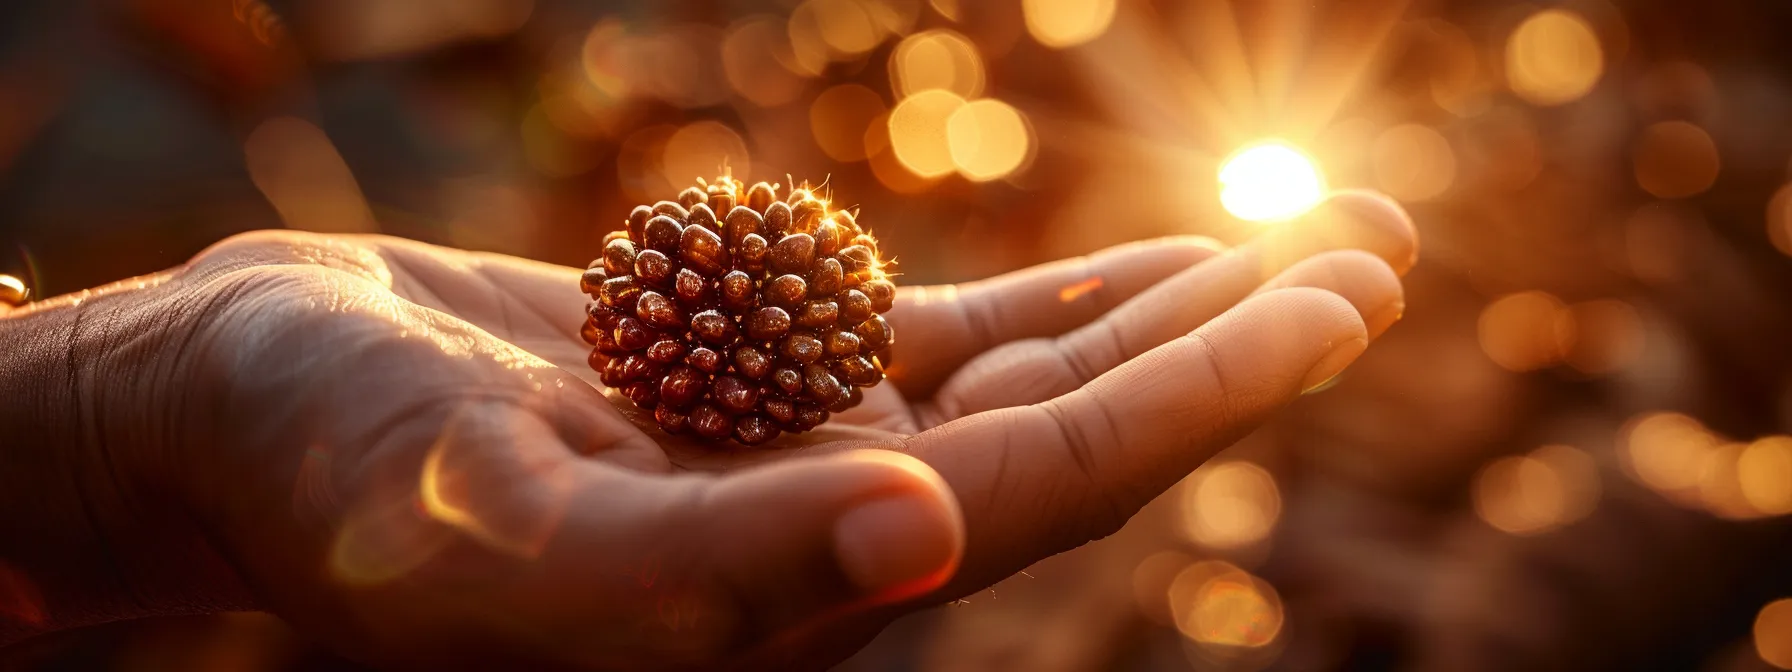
91 525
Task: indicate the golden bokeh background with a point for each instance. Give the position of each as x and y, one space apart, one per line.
1575 451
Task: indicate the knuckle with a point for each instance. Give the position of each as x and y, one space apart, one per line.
1083 434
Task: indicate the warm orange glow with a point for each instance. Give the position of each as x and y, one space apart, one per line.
1230 504
918 132
988 139
1720 484
1608 336
937 59
1667 453
1779 219
1151 584
1413 163
1675 159
705 148
1553 57
886 167
1527 494
298 169
1217 604
1076 291
1526 331
1067 23
13 290
1270 181
1773 634
754 54
1764 472
839 117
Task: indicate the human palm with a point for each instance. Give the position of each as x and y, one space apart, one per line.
401 449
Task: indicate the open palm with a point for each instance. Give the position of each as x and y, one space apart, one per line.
406 455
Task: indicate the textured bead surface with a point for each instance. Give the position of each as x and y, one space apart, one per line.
739 312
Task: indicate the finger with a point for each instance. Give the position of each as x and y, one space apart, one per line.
940 327
1036 480
1034 370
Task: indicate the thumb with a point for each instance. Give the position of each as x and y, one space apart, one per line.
806 539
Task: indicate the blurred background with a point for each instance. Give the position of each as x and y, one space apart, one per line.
1571 454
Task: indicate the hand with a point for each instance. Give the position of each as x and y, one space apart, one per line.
400 448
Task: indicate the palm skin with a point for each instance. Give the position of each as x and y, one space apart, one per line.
401 449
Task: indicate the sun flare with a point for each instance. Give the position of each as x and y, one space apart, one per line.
1269 181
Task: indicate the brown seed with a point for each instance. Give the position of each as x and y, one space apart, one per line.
806 215
737 291
755 429
858 371
788 379
761 196
853 397
636 368
705 359
702 249
825 279
619 293
605 318
682 386
590 333
619 258
768 324
734 394
793 254
778 220
785 290
848 221
663 234
752 362
866 241
841 344
752 252
670 419
828 239
721 198
821 385
637 222
665 351
658 312
855 258
802 347
606 342
710 423
809 416
714 327
781 410
875 333
671 209
611 373
855 307
691 287
655 268
633 334
592 279
702 216
692 196
882 294
742 221
644 394
818 314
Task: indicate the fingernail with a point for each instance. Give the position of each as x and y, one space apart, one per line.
1385 318
1333 363
897 547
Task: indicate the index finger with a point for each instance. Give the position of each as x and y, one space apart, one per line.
1037 480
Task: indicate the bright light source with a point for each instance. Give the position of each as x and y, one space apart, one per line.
1270 181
